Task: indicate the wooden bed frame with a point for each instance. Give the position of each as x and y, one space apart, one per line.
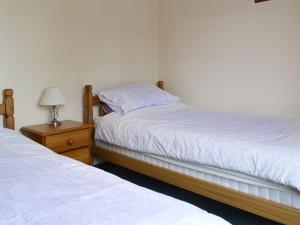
259 206
7 109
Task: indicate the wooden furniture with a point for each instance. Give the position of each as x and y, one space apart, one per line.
7 109
268 209
71 138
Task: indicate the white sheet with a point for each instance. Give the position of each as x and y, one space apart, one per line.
264 147
39 187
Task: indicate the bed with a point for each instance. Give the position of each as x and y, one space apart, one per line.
261 184
39 186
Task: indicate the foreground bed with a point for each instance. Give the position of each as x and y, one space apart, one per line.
254 168
38 186
41 187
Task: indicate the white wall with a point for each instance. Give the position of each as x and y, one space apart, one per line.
232 55
70 43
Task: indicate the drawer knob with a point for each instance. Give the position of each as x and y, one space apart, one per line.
70 142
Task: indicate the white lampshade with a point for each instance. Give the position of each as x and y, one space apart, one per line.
53 96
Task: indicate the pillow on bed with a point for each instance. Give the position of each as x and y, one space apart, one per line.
130 97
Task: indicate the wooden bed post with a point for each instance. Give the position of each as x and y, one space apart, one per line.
160 84
9 120
88 104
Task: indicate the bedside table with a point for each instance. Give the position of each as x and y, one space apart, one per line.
71 138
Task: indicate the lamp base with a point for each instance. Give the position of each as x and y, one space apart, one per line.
54 116
55 123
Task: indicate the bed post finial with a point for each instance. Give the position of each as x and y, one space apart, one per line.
160 84
9 119
88 104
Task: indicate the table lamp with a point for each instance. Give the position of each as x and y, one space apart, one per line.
53 97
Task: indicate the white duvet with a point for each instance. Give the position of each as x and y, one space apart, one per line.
264 147
39 187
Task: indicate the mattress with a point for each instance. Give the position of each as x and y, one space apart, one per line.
237 181
40 187
263 147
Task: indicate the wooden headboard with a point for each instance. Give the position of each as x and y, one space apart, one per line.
90 100
7 109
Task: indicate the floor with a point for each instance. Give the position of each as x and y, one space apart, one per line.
233 215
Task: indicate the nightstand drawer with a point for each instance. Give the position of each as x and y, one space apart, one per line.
68 141
82 154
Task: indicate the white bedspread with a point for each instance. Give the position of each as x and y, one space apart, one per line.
39 187
264 147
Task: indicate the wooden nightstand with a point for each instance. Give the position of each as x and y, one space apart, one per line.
72 139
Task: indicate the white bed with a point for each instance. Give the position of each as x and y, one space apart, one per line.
39 187
257 155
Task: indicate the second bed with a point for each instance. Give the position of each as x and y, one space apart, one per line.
251 162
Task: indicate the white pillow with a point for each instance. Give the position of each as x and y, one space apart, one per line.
130 97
